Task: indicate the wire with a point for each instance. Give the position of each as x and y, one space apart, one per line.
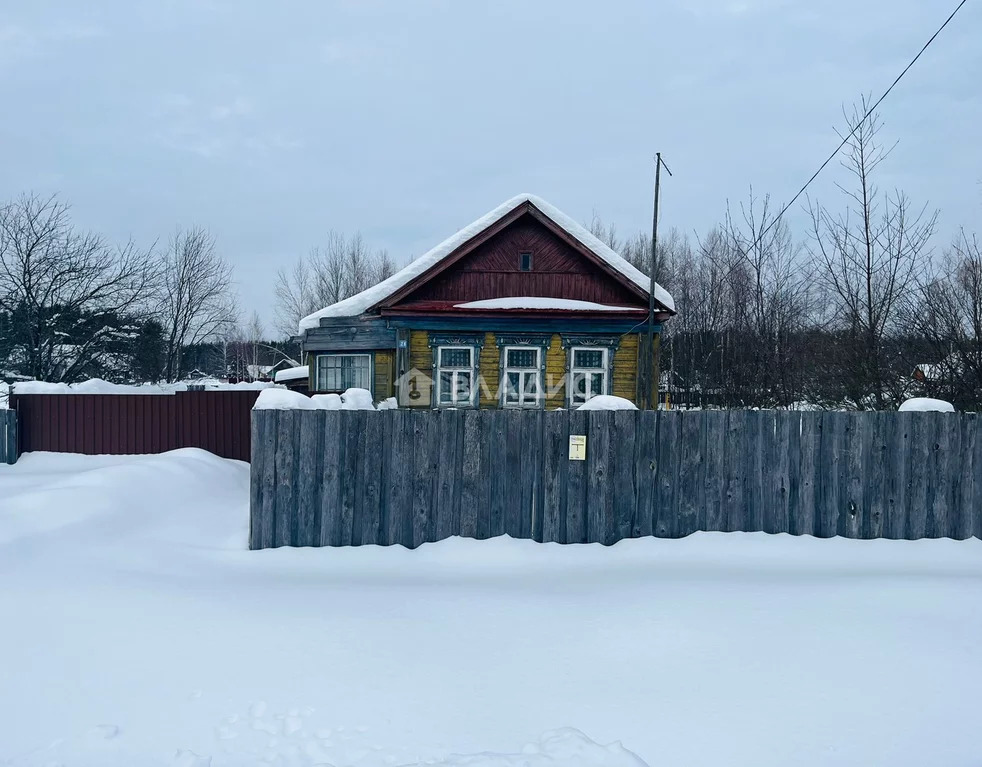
855 128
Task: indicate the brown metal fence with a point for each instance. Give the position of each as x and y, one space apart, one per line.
121 424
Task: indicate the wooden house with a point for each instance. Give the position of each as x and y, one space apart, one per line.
523 308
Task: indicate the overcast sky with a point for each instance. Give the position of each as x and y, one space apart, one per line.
272 123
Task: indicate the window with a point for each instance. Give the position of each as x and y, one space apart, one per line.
455 376
338 372
588 374
522 376
525 262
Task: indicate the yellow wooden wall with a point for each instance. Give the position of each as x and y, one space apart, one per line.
625 374
384 374
623 384
555 372
421 360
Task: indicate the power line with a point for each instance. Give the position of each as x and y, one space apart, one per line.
856 127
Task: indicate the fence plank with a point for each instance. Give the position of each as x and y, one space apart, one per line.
753 493
497 468
330 511
526 472
424 474
733 496
512 470
598 513
962 518
555 440
267 524
831 461
856 451
399 497
876 477
919 474
470 479
691 496
286 477
623 474
449 469
483 419
257 483
645 470
576 524
309 460
372 474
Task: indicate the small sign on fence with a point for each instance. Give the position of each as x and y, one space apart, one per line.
577 447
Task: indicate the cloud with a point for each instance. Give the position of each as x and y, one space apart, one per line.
19 41
215 128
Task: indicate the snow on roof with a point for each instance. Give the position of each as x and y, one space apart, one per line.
541 302
361 302
293 374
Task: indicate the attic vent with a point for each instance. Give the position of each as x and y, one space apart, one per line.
525 261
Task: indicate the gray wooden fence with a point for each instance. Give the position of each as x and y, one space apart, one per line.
8 436
338 478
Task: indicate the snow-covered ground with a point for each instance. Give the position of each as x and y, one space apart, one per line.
135 629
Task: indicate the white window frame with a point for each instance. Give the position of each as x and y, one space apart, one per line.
525 401
455 371
575 398
320 384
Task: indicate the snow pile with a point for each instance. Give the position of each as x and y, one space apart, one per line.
327 401
390 403
607 402
926 405
357 399
286 399
361 302
544 303
138 630
293 374
4 393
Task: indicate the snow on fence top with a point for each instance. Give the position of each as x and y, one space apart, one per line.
293 374
541 302
361 302
926 405
607 402
352 399
98 386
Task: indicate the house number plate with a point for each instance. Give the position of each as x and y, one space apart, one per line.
577 447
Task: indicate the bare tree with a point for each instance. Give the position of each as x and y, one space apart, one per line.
67 294
327 274
606 234
870 256
774 306
949 316
196 302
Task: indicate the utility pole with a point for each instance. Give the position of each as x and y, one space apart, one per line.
652 376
